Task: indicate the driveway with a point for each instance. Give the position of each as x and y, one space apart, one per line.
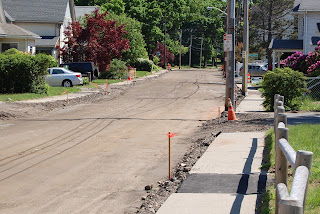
98 157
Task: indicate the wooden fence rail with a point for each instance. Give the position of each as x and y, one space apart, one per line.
300 161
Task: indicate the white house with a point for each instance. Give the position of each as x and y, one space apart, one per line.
308 12
46 18
13 36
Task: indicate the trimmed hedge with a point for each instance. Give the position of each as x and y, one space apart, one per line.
144 65
288 83
24 73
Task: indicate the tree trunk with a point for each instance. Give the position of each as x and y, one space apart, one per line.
269 51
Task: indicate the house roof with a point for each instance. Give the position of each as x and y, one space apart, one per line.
47 41
306 5
289 44
82 10
52 11
14 31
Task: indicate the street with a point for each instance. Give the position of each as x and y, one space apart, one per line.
98 158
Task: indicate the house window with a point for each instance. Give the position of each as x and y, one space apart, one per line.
48 52
7 46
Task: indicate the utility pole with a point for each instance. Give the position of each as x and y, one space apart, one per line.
165 43
233 31
245 47
230 56
201 51
227 59
190 47
180 48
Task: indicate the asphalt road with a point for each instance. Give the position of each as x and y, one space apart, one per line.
98 158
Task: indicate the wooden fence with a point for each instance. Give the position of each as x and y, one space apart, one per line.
300 161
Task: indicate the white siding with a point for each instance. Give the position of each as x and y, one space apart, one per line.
42 29
23 44
312 30
300 26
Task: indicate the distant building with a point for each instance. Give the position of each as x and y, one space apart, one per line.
39 23
308 12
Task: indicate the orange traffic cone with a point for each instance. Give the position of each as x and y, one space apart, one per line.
231 113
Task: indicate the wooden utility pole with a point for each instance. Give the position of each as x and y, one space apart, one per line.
190 47
165 43
201 51
180 48
228 61
245 47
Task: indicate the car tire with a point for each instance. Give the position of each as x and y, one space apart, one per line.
67 83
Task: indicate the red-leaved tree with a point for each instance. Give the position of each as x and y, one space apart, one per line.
98 41
169 55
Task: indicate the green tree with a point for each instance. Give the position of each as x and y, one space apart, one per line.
268 20
288 83
135 37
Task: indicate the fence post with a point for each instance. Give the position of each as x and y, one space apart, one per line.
281 168
304 158
279 110
275 123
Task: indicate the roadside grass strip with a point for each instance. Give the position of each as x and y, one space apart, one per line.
53 91
103 81
301 137
309 104
142 73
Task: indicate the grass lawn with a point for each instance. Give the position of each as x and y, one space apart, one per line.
103 81
309 104
142 73
53 91
301 137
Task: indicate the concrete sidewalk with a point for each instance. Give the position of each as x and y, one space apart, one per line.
227 178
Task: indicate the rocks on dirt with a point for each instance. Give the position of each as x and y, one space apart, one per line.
148 187
212 128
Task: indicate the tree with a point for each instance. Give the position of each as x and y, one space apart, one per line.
99 40
308 64
166 56
135 37
269 19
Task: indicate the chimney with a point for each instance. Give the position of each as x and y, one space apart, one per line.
2 17
72 10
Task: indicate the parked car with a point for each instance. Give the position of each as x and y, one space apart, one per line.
82 67
256 69
63 77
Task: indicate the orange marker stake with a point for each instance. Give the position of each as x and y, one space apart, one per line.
107 86
170 136
66 91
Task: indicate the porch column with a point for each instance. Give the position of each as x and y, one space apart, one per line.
273 59
279 54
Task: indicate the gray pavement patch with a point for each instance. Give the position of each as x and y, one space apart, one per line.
224 183
303 118
203 203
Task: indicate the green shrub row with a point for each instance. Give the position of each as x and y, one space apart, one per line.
144 65
22 73
116 70
286 82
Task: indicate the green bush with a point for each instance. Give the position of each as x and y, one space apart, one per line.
22 73
12 51
144 65
118 70
156 60
286 82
